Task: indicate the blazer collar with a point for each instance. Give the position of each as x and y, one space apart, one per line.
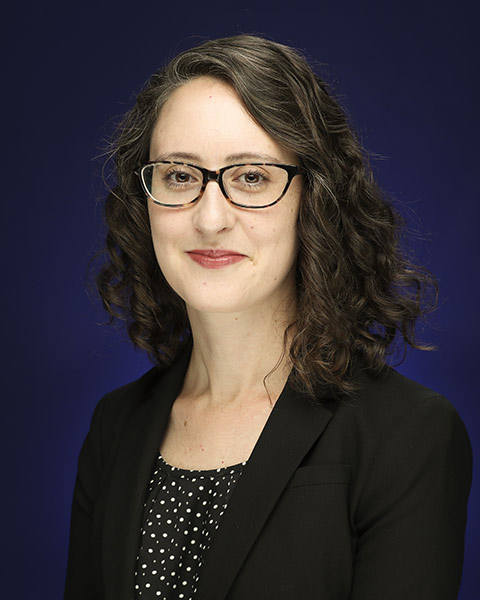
291 430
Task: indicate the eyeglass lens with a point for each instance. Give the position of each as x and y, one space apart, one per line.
248 185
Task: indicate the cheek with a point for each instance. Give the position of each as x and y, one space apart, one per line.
288 240
165 228
165 233
283 249
285 230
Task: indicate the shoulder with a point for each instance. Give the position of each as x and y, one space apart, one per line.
396 423
396 429
137 400
125 399
388 400
119 405
114 411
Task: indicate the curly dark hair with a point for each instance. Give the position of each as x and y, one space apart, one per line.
356 291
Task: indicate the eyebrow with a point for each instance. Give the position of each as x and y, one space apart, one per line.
241 156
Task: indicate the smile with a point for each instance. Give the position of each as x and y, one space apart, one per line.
215 259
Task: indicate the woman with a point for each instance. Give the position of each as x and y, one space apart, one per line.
270 453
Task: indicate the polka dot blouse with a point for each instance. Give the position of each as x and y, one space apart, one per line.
182 512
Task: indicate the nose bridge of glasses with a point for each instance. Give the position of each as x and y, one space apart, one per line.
215 176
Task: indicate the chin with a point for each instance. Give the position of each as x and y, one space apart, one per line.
216 307
216 302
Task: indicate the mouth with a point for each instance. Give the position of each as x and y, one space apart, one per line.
215 259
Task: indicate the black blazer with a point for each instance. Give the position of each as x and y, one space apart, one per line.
358 500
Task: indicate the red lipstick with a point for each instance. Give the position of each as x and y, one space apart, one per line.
215 259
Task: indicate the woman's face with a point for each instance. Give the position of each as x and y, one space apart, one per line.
204 122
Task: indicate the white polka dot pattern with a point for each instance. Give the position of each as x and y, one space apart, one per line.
183 511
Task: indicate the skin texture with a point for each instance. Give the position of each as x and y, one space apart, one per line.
238 313
206 118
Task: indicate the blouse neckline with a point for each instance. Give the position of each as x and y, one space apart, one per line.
199 473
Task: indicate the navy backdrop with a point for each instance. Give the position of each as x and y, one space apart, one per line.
408 74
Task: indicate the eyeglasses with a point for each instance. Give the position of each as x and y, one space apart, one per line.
252 185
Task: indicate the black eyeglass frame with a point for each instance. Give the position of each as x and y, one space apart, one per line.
292 171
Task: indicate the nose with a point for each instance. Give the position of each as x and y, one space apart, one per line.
213 213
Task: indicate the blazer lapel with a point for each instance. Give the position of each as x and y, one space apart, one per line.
293 427
131 472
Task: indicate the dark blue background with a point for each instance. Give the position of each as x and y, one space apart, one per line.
407 72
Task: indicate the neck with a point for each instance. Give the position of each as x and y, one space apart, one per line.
236 357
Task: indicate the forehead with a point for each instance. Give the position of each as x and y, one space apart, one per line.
206 117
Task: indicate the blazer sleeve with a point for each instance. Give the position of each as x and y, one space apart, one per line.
411 514
79 579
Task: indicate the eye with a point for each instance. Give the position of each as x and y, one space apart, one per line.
181 178
250 178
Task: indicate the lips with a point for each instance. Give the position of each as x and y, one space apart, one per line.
215 259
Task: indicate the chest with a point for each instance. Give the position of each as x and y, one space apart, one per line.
199 437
